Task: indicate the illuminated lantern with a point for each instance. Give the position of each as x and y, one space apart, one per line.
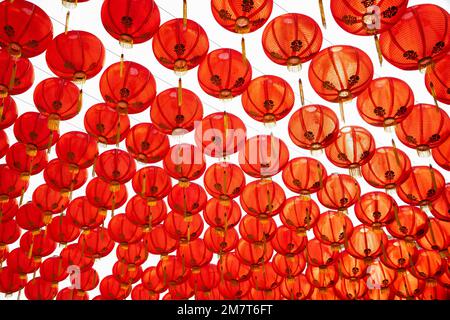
436 80
115 167
4 144
37 244
263 156
151 183
8 210
253 254
333 228
105 124
26 29
11 281
60 176
151 281
220 134
171 271
340 73
158 241
32 129
146 144
16 76
440 207
63 230
386 102
126 274
182 291
73 255
436 237
84 215
30 217
57 99
18 159
21 263
441 154
89 280
75 55
265 278
180 45
287 242
78 149
125 21
206 279
241 16
187 201
407 286
224 180
234 290
146 215
405 45
256 230
319 254
297 288
304 175
134 254
313 127
221 242
176 111
12 185
194 254
365 243
49 200
268 99
96 243
123 231
292 39
289 266
380 276
387 168
351 289
262 198
430 187
182 229
220 215
231 268
353 147
113 289
53 270
128 87
350 267
376 209
322 278
437 292
339 192
224 74
398 255
424 128
39 289
410 224
427 265
184 162
300 214
8 112
101 195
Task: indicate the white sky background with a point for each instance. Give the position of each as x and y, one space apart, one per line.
87 17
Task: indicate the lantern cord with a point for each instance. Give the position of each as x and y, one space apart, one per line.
21 196
397 158
244 51
397 219
322 14
180 93
225 129
30 251
12 80
433 93
377 45
184 13
80 100
302 93
144 184
2 106
66 27
121 64
430 227
433 178
341 109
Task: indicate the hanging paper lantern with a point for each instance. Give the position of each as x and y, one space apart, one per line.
158 241
18 159
12 185
440 207
253 254
146 144
37 244
231 268
78 149
16 76
171 271
224 73
436 237
407 286
187 200
387 168
11 281
8 112
26 29
112 289
340 73
73 255
75 56
30 217
224 180
62 177
126 274
8 211
222 216
220 134
63 230
101 195
39 289
424 128
85 215
289 266
292 39
221 242
130 22
180 45
195 255
410 224
241 16
10 232
319 254
297 288
256 230
184 162
182 229
151 183
304 175
268 99
262 198
115 167
350 267
405 44
365 243
333 228
139 212
105 124
322 278
49 200
313 127
265 278
339 192
436 80
441 154
350 289
376 209
300 214
176 111
386 102
123 231
398 255
96 243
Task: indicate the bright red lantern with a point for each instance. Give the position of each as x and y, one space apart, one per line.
96 243
262 198
78 149
39 289
436 237
103 195
407 286
398 255
26 29
288 243
319 254
231 268
115 166
187 200
123 231
130 22
339 192
257 230
254 254
405 45
268 99
49 200
158 241
304 175
4 144
8 112
376 209
37 244
365 243
18 159
63 230
221 242
194 254
152 183
437 80
11 281
8 210
224 180
73 255
62 177
75 55
12 184
84 215
113 289
300 214
441 154
224 73
146 144
297 288
333 228
183 229
440 207
292 39
30 217
410 224
351 267
222 215
180 45
16 76
184 162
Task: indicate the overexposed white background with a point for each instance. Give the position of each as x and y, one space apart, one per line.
87 17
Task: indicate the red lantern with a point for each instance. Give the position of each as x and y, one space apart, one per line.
151 281
115 166
350 289
287 242
63 230
221 242
263 156
441 154
74 255
254 254
171 271
126 274
152 183
319 254
376 209
18 159
241 16
146 144
436 237
380 276
194 254
8 112
222 215
187 200
184 162
180 45
62 177
224 180
265 278
292 39
16 76
12 185
313 127
89 280
49 200
10 281
388 168
304 175
386 102
125 21
57 99
206 279
146 215
128 87
234 290
96 243
427 265
39 289
158 241
75 55
72 294
224 73
19 262
339 192
430 187
297 288
77 148
8 210
410 224
343 83
289 266
268 99
262 198
30 217
37 244
54 270
84 215
398 255
300 214
139 292
112 289
405 45
350 267
4 144
407 286
256 230
322 278
365 243
101 195
105 124
440 207
133 254
183 229
232 269
436 80
26 29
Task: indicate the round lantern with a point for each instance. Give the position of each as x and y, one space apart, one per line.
410 224
304 175
262 198
440 207
224 180
77 148
146 144
365 243
8 112
437 80
376 209
300 214
339 192
16 76
333 228
151 183
184 162
441 154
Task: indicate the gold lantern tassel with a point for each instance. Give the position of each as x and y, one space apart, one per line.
433 93
180 93
21 196
302 93
144 184
66 27
122 58
80 100
433 178
2 106
244 51
341 109
322 14
397 158
12 80
184 13
377 45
